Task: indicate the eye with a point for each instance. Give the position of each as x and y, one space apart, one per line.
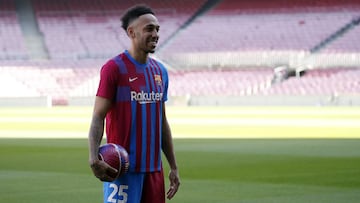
151 28
148 29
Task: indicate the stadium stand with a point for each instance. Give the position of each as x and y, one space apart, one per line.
81 79
346 43
11 39
334 81
257 82
80 34
230 82
282 6
91 29
257 25
55 79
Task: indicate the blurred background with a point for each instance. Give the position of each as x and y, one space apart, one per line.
282 75
218 52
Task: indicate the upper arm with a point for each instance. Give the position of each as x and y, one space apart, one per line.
101 107
109 76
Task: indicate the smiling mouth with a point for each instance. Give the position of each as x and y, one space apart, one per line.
153 43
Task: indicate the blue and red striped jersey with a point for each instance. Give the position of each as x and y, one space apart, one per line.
138 92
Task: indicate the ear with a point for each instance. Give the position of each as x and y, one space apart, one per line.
131 32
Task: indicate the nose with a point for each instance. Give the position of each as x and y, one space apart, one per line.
155 33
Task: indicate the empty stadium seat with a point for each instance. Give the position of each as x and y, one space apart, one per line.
92 29
233 26
12 44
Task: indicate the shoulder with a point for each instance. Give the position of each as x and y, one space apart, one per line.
112 64
159 65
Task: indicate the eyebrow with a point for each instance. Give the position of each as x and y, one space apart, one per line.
152 25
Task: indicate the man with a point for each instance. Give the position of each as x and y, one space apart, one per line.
131 95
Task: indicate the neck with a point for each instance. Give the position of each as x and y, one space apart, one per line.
139 56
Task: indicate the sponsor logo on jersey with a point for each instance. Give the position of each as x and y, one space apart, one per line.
146 97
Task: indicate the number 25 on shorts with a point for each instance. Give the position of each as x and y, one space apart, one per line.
120 191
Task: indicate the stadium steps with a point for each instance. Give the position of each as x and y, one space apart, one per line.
33 38
208 5
346 28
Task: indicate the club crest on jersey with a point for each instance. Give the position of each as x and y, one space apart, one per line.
157 79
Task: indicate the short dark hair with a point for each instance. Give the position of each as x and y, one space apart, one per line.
133 13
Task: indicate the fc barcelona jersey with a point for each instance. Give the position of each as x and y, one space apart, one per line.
138 92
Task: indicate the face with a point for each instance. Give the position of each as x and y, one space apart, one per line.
144 33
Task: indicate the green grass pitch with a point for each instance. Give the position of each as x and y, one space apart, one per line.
301 165
219 171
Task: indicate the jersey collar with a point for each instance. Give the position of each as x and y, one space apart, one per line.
143 65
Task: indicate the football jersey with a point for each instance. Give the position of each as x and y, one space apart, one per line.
138 92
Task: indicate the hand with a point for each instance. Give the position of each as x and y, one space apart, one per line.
174 183
103 171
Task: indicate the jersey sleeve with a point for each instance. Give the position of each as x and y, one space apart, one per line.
165 79
108 81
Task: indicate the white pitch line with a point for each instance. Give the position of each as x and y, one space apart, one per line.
44 120
42 134
262 111
298 122
268 122
244 136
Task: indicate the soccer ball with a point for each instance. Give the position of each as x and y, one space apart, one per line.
116 156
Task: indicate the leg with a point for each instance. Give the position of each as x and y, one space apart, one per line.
154 188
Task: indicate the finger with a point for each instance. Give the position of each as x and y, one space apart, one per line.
109 174
107 178
171 192
111 170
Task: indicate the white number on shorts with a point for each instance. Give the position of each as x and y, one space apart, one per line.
121 193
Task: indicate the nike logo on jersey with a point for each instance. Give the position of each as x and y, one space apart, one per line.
133 79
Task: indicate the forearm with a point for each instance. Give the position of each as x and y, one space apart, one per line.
95 136
167 145
168 149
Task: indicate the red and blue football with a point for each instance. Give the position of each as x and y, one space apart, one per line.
116 156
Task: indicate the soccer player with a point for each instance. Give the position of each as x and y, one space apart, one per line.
130 97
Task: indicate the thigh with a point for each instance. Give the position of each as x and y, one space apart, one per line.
126 189
154 188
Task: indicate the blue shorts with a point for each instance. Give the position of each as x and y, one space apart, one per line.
136 188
